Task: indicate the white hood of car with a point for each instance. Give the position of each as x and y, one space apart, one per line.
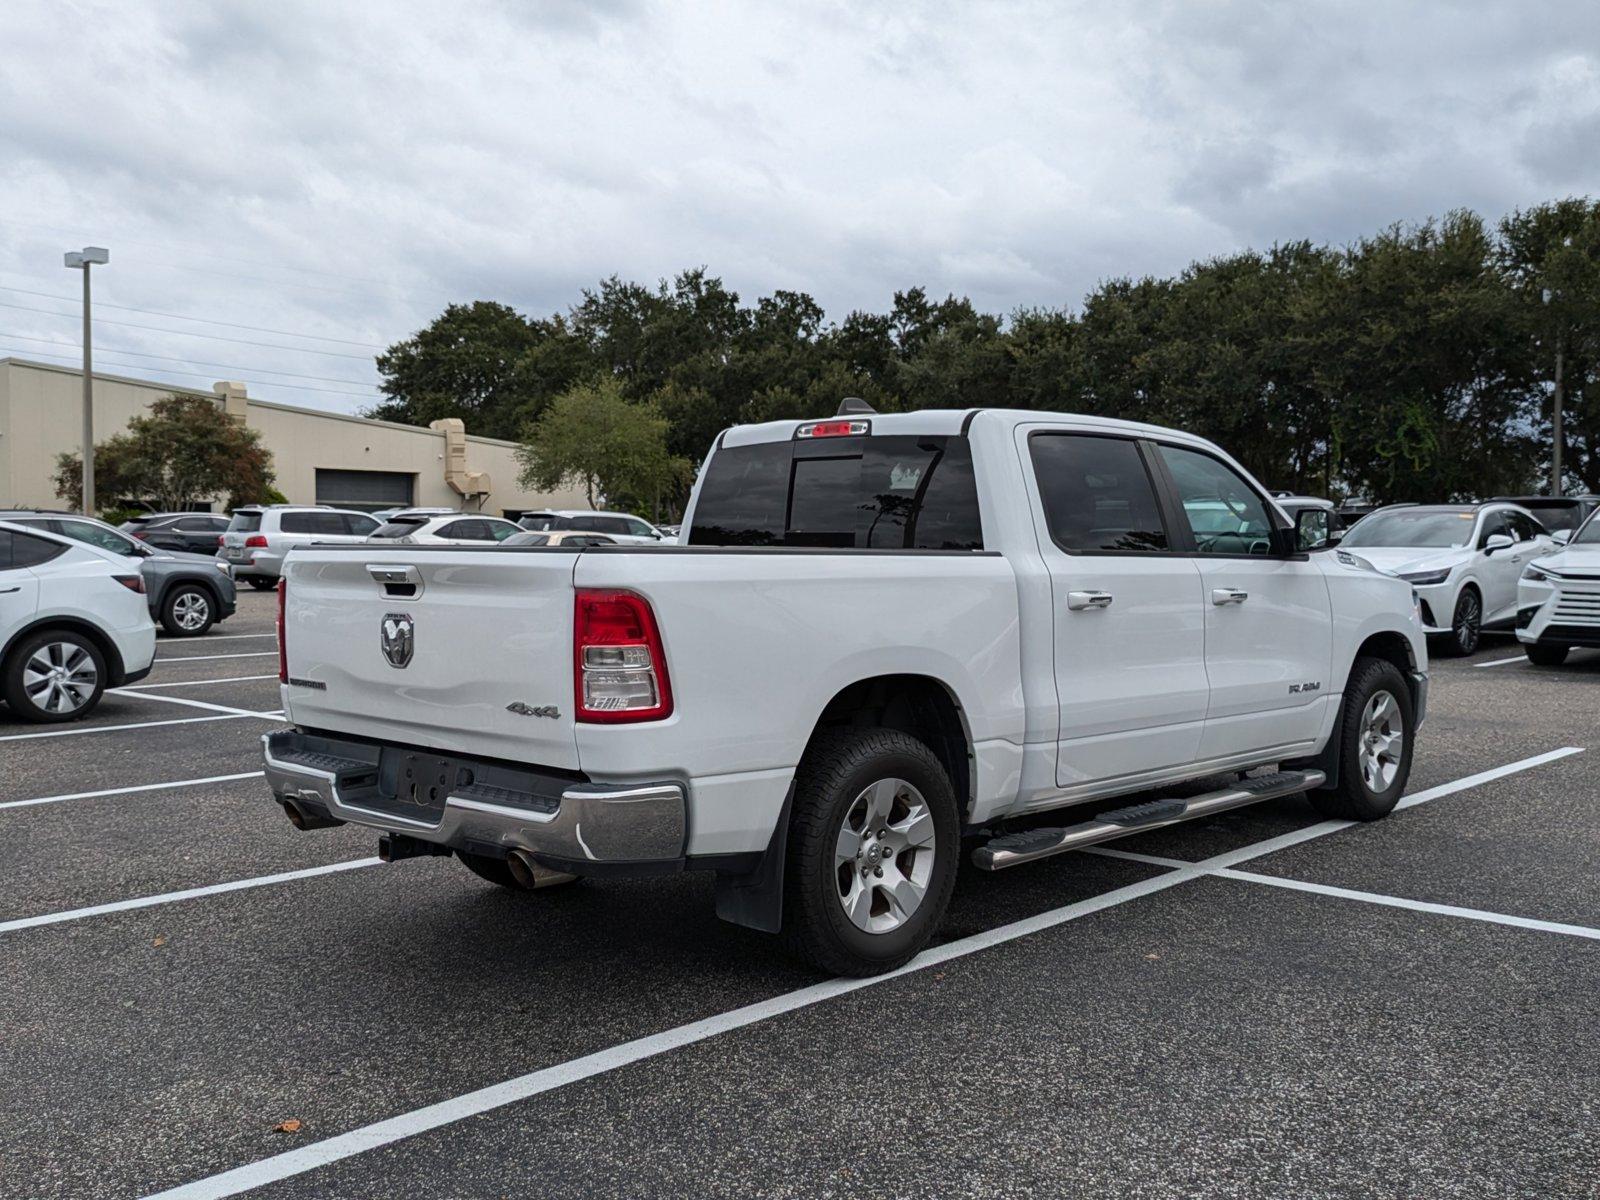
1407 560
1580 561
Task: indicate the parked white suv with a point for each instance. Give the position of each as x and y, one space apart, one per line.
1463 559
443 529
883 635
73 621
259 536
1558 599
624 528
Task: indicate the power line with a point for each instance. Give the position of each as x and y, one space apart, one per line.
215 337
151 312
199 362
294 387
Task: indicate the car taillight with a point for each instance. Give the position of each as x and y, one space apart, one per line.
141 535
283 645
619 667
221 541
257 540
824 429
134 583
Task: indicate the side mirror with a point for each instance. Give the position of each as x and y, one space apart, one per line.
1561 536
1311 529
1497 541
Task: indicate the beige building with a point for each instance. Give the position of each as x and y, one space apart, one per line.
320 457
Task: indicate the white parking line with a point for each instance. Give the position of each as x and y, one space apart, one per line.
1448 910
1500 662
221 708
150 687
447 1112
126 791
237 885
56 733
212 657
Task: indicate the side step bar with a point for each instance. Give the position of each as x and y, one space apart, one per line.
1010 849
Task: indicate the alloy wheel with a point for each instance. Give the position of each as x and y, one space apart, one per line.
884 855
1383 740
60 677
191 611
1469 615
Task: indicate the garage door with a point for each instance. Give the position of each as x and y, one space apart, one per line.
365 490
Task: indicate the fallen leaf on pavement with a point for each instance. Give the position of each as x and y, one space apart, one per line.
290 1126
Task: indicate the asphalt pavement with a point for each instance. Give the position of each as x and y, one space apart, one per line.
1257 1005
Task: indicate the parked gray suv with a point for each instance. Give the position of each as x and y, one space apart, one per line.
188 593
259 536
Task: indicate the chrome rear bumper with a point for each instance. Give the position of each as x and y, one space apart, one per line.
567 824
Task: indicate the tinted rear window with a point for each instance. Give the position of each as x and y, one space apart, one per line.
23 550
398 529
245 522
914 493
588 524
1557 516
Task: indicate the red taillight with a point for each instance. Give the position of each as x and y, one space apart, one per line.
220 541
257 540
141 535
822 429
619 668
134 583
283 646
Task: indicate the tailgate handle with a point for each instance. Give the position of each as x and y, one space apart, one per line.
399 582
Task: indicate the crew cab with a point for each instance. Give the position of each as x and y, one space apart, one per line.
885 644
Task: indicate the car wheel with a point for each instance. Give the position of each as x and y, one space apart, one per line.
872 852
1466 627
261 583
53 675
188 611
1543 654
1375 744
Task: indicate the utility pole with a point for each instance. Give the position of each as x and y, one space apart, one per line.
82 260
1555 453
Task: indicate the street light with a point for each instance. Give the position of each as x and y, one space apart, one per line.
1555 409
82 260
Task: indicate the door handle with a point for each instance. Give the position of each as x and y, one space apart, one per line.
3 591
1228 596
1081 600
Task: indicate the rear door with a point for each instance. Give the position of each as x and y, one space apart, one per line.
1129 640
454 649
1268 619
19 586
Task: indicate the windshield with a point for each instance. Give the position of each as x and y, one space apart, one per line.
1555 516
399 527
245 522
1589 535
1414 527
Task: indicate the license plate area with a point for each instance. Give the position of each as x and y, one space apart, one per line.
416 784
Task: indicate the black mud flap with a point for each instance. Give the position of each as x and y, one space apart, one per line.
755 899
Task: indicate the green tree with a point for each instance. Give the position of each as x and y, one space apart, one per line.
614 449
185 451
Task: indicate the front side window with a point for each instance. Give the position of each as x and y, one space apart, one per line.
501 530
95 535
1096 493
887 493
1494 523
358 525
1225 514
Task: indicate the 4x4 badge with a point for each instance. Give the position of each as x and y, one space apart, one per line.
528 710
399 638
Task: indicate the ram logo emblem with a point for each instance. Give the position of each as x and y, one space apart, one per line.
399 639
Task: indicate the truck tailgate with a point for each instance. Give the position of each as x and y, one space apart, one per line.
488 668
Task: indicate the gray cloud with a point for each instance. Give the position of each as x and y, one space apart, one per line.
345 171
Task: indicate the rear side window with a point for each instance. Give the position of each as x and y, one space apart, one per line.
24 550
1096 493
245 522
355 523
899 493
540 523
587 524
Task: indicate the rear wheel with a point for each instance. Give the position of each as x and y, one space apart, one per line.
188 611
53 675
1375 744
1544 654
872 853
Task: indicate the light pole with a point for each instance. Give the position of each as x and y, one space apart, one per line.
1555 409
82 260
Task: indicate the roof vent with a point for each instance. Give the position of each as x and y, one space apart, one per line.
853 404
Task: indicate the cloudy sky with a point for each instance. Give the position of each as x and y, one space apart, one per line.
316 180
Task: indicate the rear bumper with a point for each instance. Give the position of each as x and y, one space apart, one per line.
565 824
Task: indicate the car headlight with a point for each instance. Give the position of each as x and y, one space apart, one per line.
1426 578
221 566
1533 573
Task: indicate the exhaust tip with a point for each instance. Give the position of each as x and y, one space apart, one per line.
296 817
530 874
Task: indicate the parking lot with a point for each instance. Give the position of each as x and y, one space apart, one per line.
1262 1004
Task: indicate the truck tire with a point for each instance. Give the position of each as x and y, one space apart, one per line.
188 610
1544 654
53 675
867 803
1376 734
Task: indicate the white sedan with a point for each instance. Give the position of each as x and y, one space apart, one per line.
443 529
1558 599
1464 561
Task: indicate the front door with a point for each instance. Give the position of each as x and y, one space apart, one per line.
19 587
1268 620
1129 630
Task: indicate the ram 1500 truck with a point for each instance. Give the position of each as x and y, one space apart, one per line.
886 643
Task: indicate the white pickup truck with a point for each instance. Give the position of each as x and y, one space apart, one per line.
882 639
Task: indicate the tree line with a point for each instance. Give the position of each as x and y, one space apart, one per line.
1419 363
